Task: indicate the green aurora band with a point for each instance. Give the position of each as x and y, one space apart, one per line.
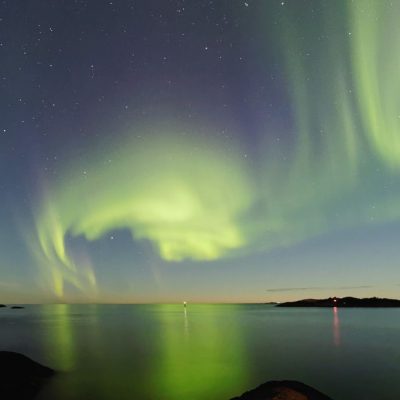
178 192
194 198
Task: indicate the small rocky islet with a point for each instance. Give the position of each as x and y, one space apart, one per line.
283 390
12 307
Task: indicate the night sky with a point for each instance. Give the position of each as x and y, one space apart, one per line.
161 151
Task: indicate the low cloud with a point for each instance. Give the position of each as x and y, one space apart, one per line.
294 289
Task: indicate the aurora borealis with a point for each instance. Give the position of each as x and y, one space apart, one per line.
204 150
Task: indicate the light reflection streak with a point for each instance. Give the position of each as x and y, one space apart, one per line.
336 327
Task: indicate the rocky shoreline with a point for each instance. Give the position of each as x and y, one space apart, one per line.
21 377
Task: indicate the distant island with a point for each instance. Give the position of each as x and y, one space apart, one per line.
13 307
343 302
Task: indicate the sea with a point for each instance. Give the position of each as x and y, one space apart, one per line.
206 351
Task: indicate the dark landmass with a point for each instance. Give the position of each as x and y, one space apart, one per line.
16 307
283 390
343 302
271 303
2 305
21 377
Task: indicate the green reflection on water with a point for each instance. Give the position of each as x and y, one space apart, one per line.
145 352
202 353
59 339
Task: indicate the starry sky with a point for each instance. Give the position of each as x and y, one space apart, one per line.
199 150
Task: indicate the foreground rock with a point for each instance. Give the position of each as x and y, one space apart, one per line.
343 302
283 390
2 305
21 377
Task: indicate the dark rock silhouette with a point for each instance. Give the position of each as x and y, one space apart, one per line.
283 390
21 377
2 305
343 302
17 307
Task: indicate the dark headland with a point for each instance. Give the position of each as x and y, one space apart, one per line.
373 302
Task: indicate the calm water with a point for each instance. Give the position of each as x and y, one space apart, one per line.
210 352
